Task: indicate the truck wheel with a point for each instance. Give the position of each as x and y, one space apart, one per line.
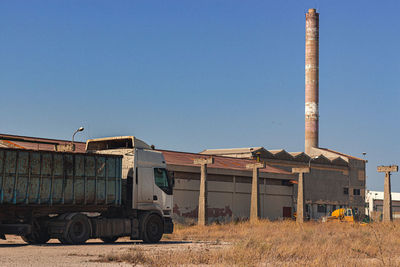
153 228
109 240
36 238
39 234
77 230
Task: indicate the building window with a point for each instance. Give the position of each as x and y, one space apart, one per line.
321 208
346 190
356 192
333 207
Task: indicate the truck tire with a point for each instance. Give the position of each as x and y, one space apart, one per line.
36 238
152 228
39 234
77 230
109 240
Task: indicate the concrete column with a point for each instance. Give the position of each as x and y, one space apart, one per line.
255 192
233 198
202 215
300 199
300 193
387 199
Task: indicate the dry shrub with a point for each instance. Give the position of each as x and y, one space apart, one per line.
285 243
135 256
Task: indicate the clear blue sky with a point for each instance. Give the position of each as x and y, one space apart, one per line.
190 75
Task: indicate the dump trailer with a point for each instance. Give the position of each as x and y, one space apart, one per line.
119 187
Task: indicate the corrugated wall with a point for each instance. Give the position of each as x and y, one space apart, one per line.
228 197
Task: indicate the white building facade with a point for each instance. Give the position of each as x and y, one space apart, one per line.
374 204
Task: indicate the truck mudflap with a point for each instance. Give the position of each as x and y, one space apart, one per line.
168 225
15 229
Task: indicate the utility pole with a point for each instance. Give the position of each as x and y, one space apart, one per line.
387 197
300 193
202 216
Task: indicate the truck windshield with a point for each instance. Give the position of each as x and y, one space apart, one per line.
162 181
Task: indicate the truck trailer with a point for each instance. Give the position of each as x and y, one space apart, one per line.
119 187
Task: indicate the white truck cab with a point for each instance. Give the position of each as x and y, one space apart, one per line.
144 171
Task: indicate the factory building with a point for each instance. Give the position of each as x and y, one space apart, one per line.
335 179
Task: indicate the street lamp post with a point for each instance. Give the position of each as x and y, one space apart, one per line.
80 129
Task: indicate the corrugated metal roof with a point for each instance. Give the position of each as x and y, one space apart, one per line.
340 154
36 143
231 150
279 154
300 156
186 159
171 157
338 161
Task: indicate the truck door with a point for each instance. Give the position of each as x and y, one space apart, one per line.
145 178
162 189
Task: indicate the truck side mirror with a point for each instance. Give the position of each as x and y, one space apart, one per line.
171 178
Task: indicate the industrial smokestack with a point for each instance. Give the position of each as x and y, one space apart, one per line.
311 80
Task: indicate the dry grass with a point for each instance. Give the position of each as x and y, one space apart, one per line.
278 244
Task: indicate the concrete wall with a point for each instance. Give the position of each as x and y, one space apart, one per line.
326 187
325 184
228 197
357 181
356 178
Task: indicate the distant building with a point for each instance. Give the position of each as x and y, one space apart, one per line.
374 204
336 180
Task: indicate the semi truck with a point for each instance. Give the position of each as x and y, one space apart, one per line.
119 187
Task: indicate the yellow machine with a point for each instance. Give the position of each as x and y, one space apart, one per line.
342 215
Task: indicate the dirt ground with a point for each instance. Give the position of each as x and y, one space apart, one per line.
262 243
15 252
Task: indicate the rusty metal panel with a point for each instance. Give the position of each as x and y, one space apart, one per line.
30 177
